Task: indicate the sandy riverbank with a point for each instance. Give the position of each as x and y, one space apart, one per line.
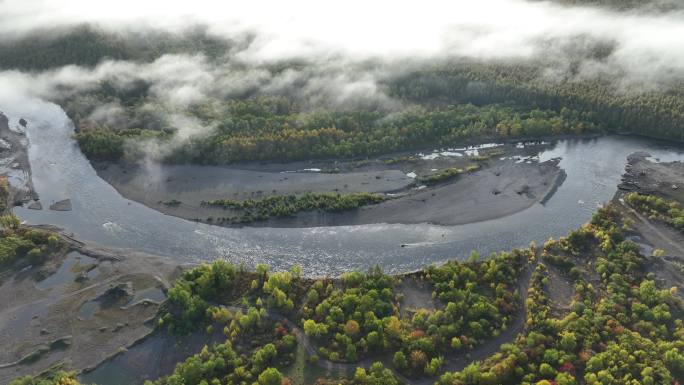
493 192
503 186
666 180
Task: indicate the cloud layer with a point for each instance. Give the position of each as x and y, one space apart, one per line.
645 46
348 47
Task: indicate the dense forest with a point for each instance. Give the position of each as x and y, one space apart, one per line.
357 317
273 128
441 103
88 45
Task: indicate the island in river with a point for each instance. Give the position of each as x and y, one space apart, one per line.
496 182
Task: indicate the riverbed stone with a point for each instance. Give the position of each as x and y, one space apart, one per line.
63 205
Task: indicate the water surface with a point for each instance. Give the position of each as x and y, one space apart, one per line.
100 214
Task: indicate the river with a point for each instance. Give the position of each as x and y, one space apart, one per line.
101 215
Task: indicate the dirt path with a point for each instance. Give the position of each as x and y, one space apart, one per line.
560 292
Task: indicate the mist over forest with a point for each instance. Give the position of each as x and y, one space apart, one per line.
201 88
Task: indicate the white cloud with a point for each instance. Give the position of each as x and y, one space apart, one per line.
645 44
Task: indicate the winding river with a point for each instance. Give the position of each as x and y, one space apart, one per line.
101 215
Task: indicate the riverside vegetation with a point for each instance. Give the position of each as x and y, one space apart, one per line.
280 206
18 243
620 327
440 104
656 208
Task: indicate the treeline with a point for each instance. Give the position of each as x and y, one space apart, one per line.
442 103
88 45
280 206
657 208
658 113
270 128
276 129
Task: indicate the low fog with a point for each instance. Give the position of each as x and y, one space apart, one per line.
347 47
645 47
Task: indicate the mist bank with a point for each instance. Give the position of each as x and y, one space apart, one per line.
304 28
628 5
214 85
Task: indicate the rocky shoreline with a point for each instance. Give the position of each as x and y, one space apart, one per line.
14 162
650 176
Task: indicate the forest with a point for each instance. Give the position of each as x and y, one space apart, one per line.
619 328
87 45
273 128
358 317
436 104
442 105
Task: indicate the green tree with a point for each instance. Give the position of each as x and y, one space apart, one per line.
270 376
